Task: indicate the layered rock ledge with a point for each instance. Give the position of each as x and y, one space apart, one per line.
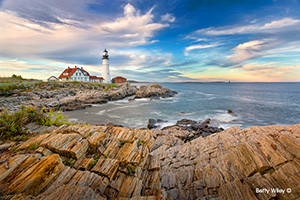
103 162
68 96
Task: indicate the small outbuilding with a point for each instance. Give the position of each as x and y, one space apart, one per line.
52 78
119 79
95 79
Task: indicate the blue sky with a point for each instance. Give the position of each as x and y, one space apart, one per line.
172 40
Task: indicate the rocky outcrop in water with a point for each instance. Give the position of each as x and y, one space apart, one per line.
193 128
154 123
69 96
103 162
154 90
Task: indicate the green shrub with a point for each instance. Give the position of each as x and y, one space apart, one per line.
17 77
68 162
121 143
33 146
6 89
94 162
96 157
12 125
13 149
51 118
110 86
131 171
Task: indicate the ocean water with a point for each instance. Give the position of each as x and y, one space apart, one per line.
253 104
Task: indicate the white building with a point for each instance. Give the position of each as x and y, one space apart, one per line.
52 78
79 74
105 67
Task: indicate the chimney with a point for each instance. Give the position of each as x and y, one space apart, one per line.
81 67
75 66
68 67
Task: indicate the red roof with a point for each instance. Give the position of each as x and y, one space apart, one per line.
119 77
95 77
71 71
84 71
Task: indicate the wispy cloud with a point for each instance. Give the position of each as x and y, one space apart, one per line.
270 70
27 69
160 75
200 46
168 18
275 26
20 38
266 39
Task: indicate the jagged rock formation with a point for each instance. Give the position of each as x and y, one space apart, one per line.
102 162
192 129
154 90
69 96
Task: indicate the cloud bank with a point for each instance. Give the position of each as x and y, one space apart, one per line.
66 32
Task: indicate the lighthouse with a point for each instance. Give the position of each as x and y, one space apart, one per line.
105 67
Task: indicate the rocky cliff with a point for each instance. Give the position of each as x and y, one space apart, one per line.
68 96
102 162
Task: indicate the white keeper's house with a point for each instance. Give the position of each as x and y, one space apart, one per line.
78 74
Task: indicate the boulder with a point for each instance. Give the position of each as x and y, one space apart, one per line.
34 140
69 145
154 91
54 104
185 122
110 123
151 124
124 91
107 167
36 177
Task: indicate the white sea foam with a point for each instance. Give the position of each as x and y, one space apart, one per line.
156 112
203 93
97 105
226 126
225 117
120 101
166 100
210 98
73 120
165 124
114 116
143 99
101 112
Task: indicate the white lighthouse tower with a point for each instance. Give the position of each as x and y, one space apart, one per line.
105 67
